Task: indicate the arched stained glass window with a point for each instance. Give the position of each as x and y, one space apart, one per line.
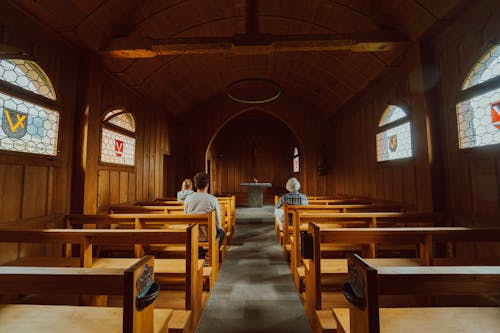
478 107
394 138
118 138
296 162
27 126
27 75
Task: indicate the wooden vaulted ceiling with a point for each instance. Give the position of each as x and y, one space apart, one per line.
357 40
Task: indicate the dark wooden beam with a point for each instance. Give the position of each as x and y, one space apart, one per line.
246 44
252 17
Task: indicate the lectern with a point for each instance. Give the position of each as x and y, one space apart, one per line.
255 197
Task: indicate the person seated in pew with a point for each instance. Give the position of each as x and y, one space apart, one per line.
201 202
186 189
293 197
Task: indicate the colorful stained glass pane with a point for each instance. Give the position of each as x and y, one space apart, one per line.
27 75
117 148
475 119
394 143
27 127
391 114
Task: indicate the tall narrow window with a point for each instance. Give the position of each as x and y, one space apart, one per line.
28 123
296 162
478 107
118 138
394 137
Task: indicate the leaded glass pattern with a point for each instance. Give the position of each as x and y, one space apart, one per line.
391 114
394 143
487 68
27 127
117 148
478 117
27 75
123 120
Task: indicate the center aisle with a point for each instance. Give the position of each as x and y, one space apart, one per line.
254 291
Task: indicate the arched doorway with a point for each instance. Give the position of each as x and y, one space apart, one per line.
252 145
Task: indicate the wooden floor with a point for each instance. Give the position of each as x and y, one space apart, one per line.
254 291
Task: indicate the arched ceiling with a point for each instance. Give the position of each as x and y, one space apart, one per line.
171 60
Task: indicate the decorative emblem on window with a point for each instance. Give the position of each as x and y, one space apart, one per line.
393 142
14 123
118 148
495 114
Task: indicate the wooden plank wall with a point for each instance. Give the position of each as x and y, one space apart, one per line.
473 177
107 185
355 170
253 145
34 190
306 125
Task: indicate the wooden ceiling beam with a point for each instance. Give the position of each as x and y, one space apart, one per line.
247 44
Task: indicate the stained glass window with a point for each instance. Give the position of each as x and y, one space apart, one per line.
118 140
26 126
478 114
295 160
394 138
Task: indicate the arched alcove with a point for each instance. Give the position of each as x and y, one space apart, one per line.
252 145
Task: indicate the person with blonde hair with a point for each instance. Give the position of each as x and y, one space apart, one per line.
293 197
186 189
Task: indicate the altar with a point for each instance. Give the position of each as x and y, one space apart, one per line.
255 197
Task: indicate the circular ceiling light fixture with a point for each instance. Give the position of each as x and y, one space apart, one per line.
253 91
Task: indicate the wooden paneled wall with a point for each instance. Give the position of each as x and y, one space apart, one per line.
34 190
253 145
305 124
105 184
473 177
355 170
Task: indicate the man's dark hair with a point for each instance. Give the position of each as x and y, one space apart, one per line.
201 180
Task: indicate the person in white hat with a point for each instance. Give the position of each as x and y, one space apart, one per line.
293 197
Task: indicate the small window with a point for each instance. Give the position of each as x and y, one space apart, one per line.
394 138
118 138
27 126
296 161
478 109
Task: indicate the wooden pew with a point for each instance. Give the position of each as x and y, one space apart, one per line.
150 209
301 217
130 318
230 203
367 283
190 269
144 221
324 277
293 211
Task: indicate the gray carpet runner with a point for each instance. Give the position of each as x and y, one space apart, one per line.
254 291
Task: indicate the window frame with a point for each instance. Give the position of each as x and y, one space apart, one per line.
470 93
295 148
18 92
105 124
391 125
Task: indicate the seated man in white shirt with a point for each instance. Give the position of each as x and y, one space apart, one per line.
201 202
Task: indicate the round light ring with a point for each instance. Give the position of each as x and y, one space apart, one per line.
249 91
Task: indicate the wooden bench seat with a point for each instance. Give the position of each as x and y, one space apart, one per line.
368 283
65 318
324 277
157 221
301 217
91 281
185 274
417 320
